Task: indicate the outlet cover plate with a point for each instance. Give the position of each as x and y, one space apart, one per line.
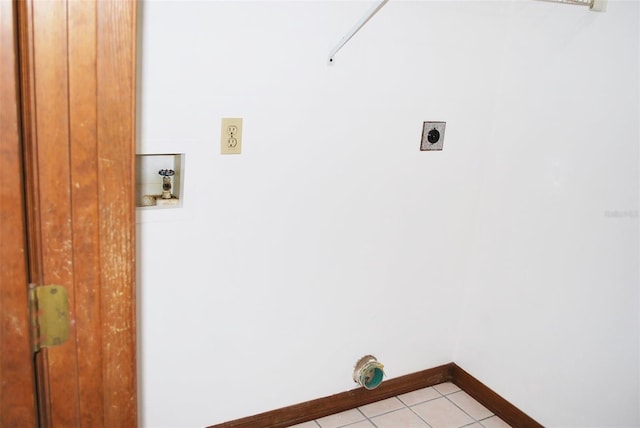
432 136
231 136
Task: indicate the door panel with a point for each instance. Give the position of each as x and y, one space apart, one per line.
78 71
52 160
17 402
84 205
116 183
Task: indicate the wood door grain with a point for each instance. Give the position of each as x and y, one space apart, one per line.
17 402
78 74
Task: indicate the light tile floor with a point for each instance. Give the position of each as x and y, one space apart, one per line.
439 406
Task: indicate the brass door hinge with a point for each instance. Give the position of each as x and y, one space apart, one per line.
49 309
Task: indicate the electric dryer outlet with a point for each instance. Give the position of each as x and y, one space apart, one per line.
432 136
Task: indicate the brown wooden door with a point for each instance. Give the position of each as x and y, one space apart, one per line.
77 98
17 402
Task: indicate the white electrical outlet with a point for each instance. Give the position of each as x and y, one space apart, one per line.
432 136
231 136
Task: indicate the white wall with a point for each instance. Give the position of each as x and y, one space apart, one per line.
332 236
552 303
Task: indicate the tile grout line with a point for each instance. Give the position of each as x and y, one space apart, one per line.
404 405
473 419
366 418
419 417
385 413
463 411
373 423
426 401
410 407
422 402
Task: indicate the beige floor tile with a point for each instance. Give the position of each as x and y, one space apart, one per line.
341 419
469 405
442 413
404 418
419 396
310 424
361 424
381 407
446 388
494 422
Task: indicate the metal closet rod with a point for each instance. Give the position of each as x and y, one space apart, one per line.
376 7
595 5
